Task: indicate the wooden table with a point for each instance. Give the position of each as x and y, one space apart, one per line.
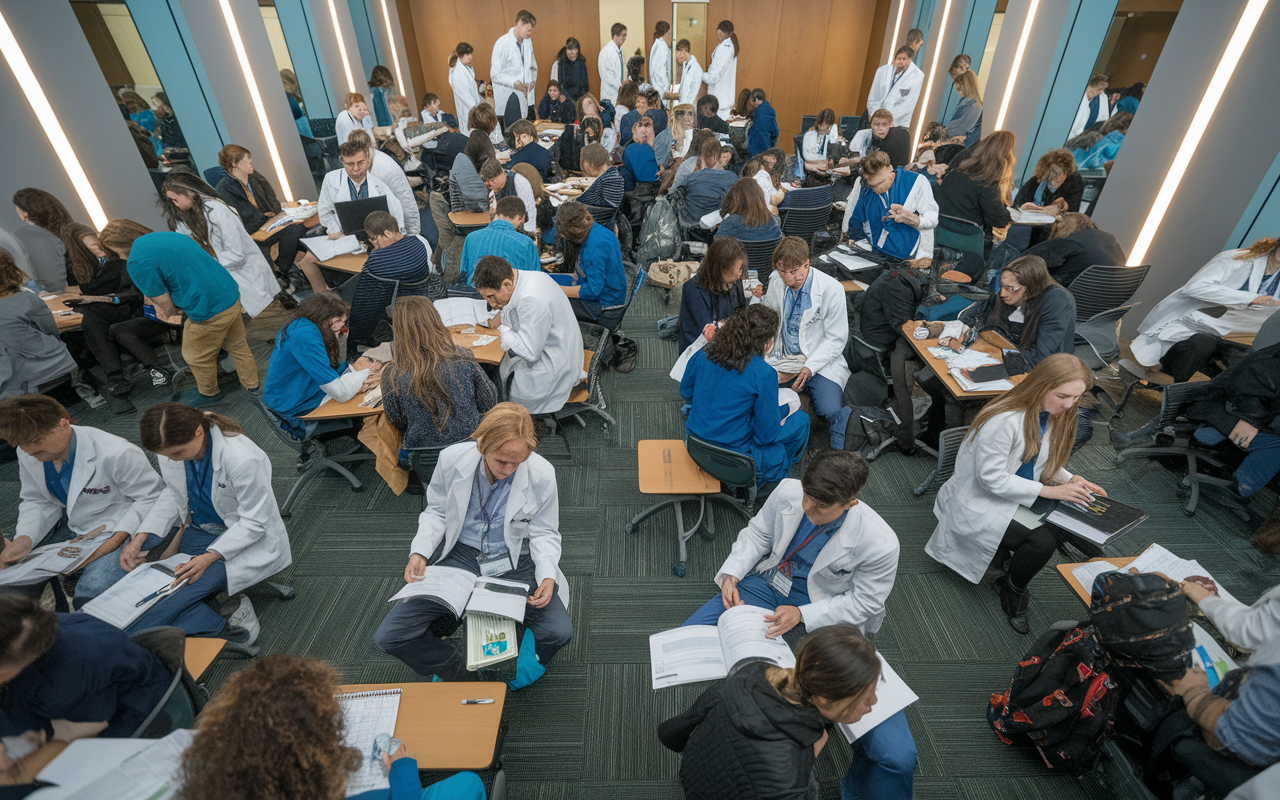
989 342
546 124
490 353
200 653
851 286
469 219
1245 339
62 315
1081 591
438 730
666 468
348 410
347 262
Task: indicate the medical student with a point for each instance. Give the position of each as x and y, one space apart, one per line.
492 509
896 87
690 76
539 334
431 108
1094 107
721 77
815 555
660 57
384 168
75 480
893 209
462 79
814 143
354 115
592 252
612 64
1255 627
508 183
513 70
813 325
217 483
1016 452
1178 333
354 182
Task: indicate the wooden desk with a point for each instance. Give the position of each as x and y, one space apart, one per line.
851 286
63 316
347 410
666 468
1245 339
439 730
988 342
548 125
347 262
200 653
261 235
470 219
1083 593
580 392
490 353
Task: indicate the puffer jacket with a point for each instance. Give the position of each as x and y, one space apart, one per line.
742 740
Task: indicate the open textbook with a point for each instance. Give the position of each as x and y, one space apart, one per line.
461 592
325 248
462 311
149 774
1154 559
892 695
52 560
710 652
134 594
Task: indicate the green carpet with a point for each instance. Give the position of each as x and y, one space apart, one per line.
586 730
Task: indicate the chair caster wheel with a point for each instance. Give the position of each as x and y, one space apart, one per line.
630 528
679 570
1187 513
357 489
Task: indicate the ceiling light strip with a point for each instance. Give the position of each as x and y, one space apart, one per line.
391 37
897 26
342 47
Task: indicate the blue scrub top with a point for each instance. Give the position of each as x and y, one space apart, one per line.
803 560
1028 467
299 367
600 269
171 263
200 488
59 482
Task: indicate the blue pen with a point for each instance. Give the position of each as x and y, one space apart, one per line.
161 592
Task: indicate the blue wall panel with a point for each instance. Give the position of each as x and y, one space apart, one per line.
1262 217
318 92
362 18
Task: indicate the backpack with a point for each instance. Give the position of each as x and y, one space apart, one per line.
1142 620
671 274
867 430
1062 700
660 234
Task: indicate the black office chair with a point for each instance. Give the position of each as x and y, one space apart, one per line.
1101 294
806 122
182 701
313 459
760 258
611 316
422 462
214 175
806 212
850 126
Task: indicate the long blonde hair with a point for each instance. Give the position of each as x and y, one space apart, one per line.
1262 247
422 344
967 86
1028 397
992 163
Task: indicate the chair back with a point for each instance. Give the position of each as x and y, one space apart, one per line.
1268 334
1177 396
1101 333
423 460
1100 288
214 175
849 126
797 142
611 316
949 442
181 702
733 469
604 215
283 430
373 296
807 213
323 127
760 257
806 122
597 339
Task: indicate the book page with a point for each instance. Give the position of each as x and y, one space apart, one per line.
499 597
462 311
325 248
449 585
1086 573
119 604
686 655
892 695
366 715
151 774
1158 559
51 560
743 640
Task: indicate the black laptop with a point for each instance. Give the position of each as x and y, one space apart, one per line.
352 215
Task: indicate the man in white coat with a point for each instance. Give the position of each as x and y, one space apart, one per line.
355 115
721 76
384 168
813 329
353 182
815 555
539 331
513 70
612 64
897 87
660 58
75 482
492 510
690 76
1094 107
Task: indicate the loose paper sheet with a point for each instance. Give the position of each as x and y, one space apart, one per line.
892 695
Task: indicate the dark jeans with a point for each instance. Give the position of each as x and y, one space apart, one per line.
132 335
1185 750
97 322
585 310
1031 550
902 369
288 238
1196 354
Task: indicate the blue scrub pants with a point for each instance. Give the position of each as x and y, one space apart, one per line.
1256 471
754 591
186 608
828 403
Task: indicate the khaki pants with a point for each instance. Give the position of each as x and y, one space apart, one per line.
449 243
201 342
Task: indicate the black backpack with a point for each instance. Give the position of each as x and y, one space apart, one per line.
868 428
1142 621
1061 699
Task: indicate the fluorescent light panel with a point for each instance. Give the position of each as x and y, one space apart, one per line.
1199 121
933 69
256 97
62 148
897 26
391 37
1017 63
342 47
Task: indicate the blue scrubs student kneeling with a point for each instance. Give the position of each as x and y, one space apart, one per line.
817 556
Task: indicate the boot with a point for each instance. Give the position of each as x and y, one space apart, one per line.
1014 601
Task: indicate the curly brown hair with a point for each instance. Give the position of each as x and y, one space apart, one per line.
274 730
746 334
11 278
1060 159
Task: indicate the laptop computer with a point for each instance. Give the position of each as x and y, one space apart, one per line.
352 213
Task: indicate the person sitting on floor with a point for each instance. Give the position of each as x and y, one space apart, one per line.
1076 243
639 164
746 215
734 398
509 183
608 186
1251 627
528 151
815 556
492 509
1015 452
759 732
68 676
713 293
539 333
813 328
278 723
503 238
556 107
893 210
395 257
1182 338
76 481
592 252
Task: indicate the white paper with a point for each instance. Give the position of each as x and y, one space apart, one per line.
851 261
986 386
711 219
367 714
1021 217
742 637
1027 518
481 341
151 774
118 605
449 585
789 398
19 747
85 760
686 655
789 365
325 248
1085 573
892 695
462 311
1077 526
51 560
499 597
1158 559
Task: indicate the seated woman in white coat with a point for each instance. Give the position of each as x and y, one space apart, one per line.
1182 337
1015 453
1256 627
539 332
194 208
815 555
493 510
218 482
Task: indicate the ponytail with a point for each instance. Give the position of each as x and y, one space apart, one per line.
458 52
727 27
168 425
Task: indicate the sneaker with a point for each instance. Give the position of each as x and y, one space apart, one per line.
160 377
242 625
118 388
287 301
193 398
91 397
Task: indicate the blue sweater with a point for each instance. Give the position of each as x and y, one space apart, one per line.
867 220
499 239
764 129
737 410
638 165
704 191
698 306
299 367
735 227
600 270
534 155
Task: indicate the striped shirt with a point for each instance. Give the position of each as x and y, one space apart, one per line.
606 190
407 261
499 239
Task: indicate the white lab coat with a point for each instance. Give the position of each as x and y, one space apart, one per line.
824 327
901 99
813 146
236 250
1259 787
255 544
334 190
543 343
532 513
721 76
660 65
976 505
389 172
1082 114
344 124
508 66
466 95
610 64
112 484
850 579
919 201
690 82
1256 627
1181 315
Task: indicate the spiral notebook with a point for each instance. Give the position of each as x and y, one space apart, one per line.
367 714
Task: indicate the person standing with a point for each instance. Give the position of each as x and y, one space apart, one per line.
1094 107
571 71
896 87
612 64
690 76
462 79
660 57
764 125
381 87
721 76
513 70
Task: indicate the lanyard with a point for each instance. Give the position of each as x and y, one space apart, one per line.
486 513
894 80
358 194
248 191
822 148
784 566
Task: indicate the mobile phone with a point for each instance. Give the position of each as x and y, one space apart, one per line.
990 372
72 302
150 312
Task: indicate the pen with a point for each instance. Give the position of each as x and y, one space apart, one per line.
161 592
476 702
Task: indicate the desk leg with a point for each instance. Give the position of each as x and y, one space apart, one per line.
499 790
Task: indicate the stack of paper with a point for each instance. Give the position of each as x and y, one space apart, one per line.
851 261
366 715
462 311
1157 559
325 248
119 605
52 560
1021 217
152 773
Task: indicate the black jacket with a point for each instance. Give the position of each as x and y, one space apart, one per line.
698 306
1068 256
1049 326
1071 191
896 144
253 217
111 278
573 77
959 196
742 740
1248 390
888 303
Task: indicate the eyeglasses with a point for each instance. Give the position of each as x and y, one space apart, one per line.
1013 289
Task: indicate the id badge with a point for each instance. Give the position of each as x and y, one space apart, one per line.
494 566
780 583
